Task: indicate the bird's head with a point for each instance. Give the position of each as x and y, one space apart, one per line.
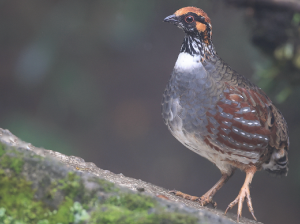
193 21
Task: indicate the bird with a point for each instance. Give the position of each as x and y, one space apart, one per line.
220 114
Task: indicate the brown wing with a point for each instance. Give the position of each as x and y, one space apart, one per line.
246 126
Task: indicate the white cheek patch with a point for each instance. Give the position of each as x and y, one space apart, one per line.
187 62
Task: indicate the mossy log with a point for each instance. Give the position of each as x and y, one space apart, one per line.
42 186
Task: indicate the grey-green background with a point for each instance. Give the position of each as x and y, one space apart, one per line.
85 78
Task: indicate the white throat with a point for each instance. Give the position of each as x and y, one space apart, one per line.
187 62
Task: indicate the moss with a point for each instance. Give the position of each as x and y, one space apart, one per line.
80 214
2 151
4 218
110 214
136 209
132 202
14 163
64 214
175 218
18 204
71 185
107 186
17 198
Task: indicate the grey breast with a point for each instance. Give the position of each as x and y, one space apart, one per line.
187 98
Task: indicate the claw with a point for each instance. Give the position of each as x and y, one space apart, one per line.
185 196
244 193
249 203
204 200
207 197
230 206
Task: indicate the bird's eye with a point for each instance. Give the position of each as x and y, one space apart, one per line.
189 19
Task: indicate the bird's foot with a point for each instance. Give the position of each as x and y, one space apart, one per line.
244 193
183 195
204 200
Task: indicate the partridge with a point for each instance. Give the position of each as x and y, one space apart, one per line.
219 114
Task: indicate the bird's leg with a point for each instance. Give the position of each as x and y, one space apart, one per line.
207 197
244 193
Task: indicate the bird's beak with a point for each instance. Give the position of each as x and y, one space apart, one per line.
171 19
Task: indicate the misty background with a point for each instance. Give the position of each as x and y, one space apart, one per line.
86 78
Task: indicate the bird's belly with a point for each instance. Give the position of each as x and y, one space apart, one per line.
195 143
191 134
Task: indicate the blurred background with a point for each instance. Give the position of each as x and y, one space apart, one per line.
86 78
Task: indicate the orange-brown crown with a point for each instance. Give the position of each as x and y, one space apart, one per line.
195 10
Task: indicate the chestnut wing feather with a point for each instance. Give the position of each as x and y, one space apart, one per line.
246 124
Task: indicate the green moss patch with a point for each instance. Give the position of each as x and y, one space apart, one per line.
132 202
73 202
16 196
71 185
2 151
136 209
107 186
14 161
18 205
17 201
